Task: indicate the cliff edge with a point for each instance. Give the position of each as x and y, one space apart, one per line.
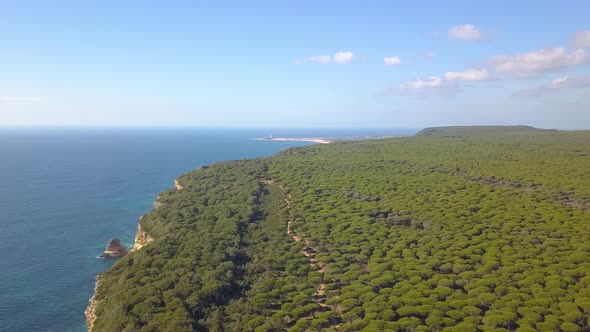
93 303
479 130
142 238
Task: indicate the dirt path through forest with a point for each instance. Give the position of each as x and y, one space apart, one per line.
319 296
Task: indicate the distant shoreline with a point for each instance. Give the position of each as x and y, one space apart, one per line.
324 140
299 139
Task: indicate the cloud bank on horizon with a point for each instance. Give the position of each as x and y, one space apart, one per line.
296 64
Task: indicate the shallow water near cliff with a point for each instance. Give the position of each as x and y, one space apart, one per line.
65 192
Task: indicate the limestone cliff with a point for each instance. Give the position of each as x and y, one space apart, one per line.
156 202
141 238
90 311
177 185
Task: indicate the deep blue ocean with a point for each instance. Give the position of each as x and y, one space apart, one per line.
64 192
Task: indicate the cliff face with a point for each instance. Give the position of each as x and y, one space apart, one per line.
156 202
177 185
141 238
90 311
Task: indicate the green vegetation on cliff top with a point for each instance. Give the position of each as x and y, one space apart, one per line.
480 130
448 232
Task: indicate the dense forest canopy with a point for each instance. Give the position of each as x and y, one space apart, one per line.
480 130
448 231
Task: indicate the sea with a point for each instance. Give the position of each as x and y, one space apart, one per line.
64 192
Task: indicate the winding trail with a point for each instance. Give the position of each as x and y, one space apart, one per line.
319 296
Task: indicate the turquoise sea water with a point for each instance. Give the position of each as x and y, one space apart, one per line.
65 192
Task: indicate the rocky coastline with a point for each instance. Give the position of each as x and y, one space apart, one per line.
156 203
142 238
93 303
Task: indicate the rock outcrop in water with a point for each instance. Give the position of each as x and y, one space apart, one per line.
114 249
141 239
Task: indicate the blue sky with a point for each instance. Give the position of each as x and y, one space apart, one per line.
295 63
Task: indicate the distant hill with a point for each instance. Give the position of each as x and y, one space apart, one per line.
474 130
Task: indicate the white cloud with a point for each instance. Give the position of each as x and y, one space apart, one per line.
582 39
535 62
560 81
432 87
392 60
465 32
447 80
467 75
15 99
322 59
567 82
432 82
446 85
343 57
556 85
430 55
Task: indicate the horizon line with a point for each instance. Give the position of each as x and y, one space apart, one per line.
112 126
191 126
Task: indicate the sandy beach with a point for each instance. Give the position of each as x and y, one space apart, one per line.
299 139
